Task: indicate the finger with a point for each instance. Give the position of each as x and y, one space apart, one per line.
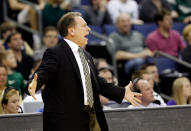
137 94
32 94
134 103
137 100
35 77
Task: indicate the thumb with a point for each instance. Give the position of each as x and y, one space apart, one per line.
35 77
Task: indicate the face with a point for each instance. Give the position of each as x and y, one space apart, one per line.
149 78
154 71
96 2
3 76
80 31
146 91
186 88
124 24
102 64
50 39
107 76
16 42
11 61
166 23
7 33
188 38
13 104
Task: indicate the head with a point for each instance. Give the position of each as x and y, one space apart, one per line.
152 69
15 41
53 2
144 87
101 63
96 3
3 76
123 23
106 73
10 101
9 59
143 74
6 29
73 27
181 90
187 34
50 37
164 20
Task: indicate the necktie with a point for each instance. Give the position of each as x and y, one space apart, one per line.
87 78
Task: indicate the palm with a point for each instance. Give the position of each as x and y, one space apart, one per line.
131 96
32 86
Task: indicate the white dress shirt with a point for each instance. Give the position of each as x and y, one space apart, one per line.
116 7
74 48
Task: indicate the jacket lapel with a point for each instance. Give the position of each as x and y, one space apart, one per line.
72 59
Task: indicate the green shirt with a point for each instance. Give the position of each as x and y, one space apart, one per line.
51 15
183 8
16 80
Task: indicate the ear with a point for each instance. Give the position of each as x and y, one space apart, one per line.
71 31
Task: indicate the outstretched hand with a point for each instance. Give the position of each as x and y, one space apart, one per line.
32 86
131 96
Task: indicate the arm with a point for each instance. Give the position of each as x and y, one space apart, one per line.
15 5
123 55
113 92
45 71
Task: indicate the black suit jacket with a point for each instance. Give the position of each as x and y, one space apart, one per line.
63 94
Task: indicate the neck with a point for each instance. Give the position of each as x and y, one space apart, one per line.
9 70
73 40
185 99
145 103
18 55
164 32
2 87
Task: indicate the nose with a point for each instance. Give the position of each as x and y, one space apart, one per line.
89 29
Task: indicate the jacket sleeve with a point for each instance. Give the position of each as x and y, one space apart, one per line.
108 90
46 69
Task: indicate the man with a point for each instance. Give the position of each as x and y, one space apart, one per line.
164 38
146 90
129 45
143 74
50 39
152 69
24 61
72 84
130 7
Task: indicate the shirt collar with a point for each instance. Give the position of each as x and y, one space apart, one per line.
72 45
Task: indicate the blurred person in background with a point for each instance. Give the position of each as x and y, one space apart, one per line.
97 14
143 74
50 39
10 101
54 10
164 38
101 63
181 92
183 10
152 69
6 28
150 7
24 12
130 7
147 98
24 61
129 45
186 53
3 81
15 79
